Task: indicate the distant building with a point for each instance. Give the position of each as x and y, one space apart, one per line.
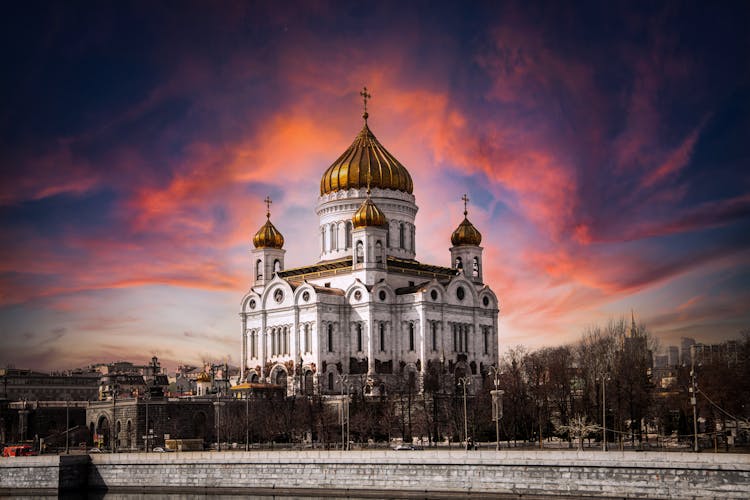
29 385
673 353
686 357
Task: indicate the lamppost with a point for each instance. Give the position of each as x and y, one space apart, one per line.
693 397
604 379
67 425
113 427
497 405
464 381
247 419
217 416
344 408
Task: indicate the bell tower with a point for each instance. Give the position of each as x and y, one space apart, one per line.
466 254
268 254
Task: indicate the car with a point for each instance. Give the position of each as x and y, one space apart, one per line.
158 449
95 450
405 446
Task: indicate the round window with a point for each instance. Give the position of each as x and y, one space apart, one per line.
460 293
252 304
278 295
305 295
434 294
382 295
357 295
486 301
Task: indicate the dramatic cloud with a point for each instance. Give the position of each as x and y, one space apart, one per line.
603 149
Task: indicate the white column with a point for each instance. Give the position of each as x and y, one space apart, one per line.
262 336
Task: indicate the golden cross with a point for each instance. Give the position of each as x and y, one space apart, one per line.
466 200
268 206
365 96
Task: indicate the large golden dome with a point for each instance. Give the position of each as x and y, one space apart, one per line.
366 157
268 236
368 214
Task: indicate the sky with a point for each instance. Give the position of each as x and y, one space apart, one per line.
603 146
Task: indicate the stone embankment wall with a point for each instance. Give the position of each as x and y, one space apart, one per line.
437 473
45 475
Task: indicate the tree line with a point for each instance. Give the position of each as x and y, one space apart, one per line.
566 393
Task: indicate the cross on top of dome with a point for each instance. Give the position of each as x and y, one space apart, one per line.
365 95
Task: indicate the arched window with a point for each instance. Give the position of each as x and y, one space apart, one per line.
475 267
411 239
332 236
250 346
388 236
323 239
330 381
259 269
382 337
273 342
276 266
459 263
348 234
401 241
486 335
378 252
360 252
359 337
411 336
434 335
308 346
330 337
285 349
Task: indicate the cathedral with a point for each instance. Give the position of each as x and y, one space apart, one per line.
367 316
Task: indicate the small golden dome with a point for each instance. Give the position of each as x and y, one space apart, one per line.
203 377
366 157
466 234
268 236
368 214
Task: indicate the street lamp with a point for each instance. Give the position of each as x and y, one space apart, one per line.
497 405
694 397
464 381
247 419
217 416
67 425
604 378
113 427
342 383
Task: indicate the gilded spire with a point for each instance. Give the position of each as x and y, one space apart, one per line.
268 236
365 95
466 233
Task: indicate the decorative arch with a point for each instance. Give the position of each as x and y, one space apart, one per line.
359 253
